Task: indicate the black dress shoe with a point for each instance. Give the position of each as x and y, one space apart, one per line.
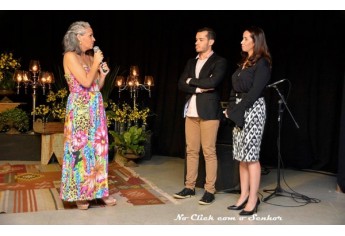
240 207
186 192
207 198
249 213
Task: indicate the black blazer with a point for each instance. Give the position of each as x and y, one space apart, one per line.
210 76
251 82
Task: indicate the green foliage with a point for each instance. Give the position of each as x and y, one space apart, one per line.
132 139
7 83
16 118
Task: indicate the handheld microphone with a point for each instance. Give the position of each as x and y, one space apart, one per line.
96 49
275 83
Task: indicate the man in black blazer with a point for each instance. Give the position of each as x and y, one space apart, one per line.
199 80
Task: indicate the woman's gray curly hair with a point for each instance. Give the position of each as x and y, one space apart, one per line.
70 40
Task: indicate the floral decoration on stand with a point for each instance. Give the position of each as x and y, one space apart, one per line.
8 65
144 113
118 114
126 116
129 132
55 108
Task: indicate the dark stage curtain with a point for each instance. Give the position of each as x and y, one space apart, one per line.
306 49
341 161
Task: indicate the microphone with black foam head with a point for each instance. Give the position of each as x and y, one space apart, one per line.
275 83
96 49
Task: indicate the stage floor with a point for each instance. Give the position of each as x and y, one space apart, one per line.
326 208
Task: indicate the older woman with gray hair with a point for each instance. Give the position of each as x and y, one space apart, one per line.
85 160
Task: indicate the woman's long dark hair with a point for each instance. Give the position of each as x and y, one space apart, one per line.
260 47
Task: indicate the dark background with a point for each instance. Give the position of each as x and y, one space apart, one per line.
307 48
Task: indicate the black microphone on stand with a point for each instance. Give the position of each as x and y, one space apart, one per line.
275 83
96 49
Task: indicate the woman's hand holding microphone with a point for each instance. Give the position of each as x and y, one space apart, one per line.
98 57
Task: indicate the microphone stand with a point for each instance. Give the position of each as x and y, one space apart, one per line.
279 191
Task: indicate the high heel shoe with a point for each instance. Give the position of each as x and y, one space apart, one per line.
109 201
249 213
82 205
240 207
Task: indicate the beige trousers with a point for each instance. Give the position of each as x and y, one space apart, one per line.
201 133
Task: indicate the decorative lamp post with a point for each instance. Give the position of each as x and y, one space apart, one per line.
35 78
133 83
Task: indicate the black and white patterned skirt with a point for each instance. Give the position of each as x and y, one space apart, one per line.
247 141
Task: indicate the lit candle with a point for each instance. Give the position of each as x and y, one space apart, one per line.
19 78
134 71
119 83
148 80
25 78
34 68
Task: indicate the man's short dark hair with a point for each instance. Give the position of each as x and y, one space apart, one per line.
210 32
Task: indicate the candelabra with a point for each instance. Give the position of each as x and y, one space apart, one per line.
35 78
133 83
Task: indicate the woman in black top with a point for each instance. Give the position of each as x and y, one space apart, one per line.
247 109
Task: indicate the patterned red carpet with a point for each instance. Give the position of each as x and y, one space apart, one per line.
33 187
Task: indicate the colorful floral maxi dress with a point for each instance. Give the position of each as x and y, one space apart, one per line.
85 160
